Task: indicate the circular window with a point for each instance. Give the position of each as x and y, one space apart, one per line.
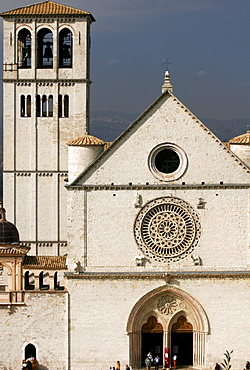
167 162
167 229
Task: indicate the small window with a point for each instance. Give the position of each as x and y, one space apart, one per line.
57 281
167 162
44 281
60 105
29 281
29 106
50 105
38 106
22 106
44 106
66 106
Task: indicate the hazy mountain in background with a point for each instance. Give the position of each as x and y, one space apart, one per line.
109 125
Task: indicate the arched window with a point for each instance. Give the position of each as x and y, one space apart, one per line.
63 105
65 48
57 281
60 105
50 105
24 48
38 106
29 106
25 105
44 48
29 281
3 278
66 105
44 106
22 106
44 281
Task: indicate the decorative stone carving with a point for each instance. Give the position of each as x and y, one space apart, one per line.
138 200
201 203
140 260
78 267
167 229
196 260
167 304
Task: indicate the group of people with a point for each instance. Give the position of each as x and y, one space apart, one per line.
149 361
118 366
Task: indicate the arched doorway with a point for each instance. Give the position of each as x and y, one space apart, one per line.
152 339
30 351
166 304
182 341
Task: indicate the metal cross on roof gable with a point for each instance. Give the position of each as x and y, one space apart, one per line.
166 63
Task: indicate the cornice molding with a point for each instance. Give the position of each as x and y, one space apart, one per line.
159 275
46 80
157 187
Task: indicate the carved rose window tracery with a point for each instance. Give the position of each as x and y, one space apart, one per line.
167 229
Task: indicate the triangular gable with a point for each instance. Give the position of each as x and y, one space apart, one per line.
100 160
46 8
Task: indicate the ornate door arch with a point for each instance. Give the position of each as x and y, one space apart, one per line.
166 304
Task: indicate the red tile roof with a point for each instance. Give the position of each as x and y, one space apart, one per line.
241 139
46 8
85 140
45 262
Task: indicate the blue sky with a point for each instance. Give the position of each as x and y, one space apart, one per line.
207 42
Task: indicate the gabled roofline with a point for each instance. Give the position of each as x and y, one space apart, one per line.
119 138
129 128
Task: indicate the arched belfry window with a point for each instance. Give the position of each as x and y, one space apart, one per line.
24 48
65 48
44 48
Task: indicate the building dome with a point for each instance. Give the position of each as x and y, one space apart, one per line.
85 140
8 232
240 145
243 139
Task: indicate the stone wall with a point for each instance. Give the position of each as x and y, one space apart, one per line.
41 321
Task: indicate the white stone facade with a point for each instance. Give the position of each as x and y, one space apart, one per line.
35 151
156 230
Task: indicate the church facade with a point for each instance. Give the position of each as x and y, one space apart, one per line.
145 246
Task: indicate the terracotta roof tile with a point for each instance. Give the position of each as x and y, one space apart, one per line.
46 8
45 262
12 250
241 139
85 140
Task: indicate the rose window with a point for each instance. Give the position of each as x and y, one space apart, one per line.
167 229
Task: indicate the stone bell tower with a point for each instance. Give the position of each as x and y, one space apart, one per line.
46 82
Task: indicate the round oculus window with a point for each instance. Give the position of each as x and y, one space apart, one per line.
167 229
167 162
